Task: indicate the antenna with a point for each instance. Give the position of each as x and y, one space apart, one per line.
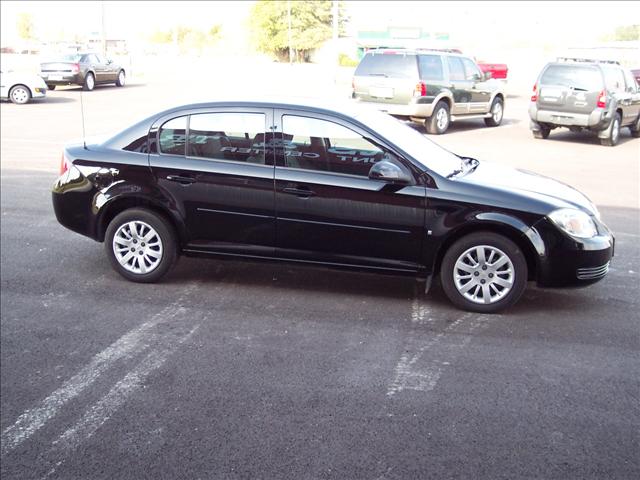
84 143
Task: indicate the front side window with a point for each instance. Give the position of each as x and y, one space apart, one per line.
314 144
456 69
228 136
173 136
472 72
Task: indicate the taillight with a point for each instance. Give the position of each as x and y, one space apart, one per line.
602 99
534 97
64 166
421 90
75 68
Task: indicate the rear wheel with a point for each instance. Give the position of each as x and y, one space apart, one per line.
121 79
141 245
20 94
438 122
483 272
542 133
50 86
89 82
613 135
497 112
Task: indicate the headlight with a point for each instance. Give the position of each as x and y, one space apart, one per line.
575 222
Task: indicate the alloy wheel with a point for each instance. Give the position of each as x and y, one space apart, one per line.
483 274
442 119
20 95
137 247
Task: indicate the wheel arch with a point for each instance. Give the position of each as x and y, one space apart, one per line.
19 85
109 211
526 238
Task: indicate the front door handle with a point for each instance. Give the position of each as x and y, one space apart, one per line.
181 180
300 192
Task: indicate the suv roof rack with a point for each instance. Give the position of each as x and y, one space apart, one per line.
587 60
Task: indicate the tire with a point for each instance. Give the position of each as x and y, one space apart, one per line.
635 128
51 87
497 113
89 82
543 133
159 254
439 121
613 135
20 94
121 79
462 266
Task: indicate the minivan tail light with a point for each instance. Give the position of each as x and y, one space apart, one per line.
421 90
534 97
602 99
64 165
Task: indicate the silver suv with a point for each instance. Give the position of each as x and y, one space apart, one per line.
429 87
585 94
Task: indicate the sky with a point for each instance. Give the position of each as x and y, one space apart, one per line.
483 23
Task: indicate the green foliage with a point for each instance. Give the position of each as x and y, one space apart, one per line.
188 39
627 32
346 61
311 25
25 26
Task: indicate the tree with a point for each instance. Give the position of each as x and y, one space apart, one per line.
186 38
25 26
311 25
627 32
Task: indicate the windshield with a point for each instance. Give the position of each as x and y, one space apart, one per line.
411 141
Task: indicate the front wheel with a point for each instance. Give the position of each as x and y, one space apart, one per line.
484 272
497 112
141 245
438 122
121 79
20 94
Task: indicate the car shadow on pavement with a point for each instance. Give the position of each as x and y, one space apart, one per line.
585 137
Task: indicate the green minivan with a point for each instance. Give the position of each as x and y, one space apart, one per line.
430 87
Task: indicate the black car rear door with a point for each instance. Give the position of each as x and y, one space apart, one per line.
327 208
217 174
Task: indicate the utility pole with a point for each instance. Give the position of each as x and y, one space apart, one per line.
103 34
336 53
289 31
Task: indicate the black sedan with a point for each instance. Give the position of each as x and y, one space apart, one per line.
84 69
340 186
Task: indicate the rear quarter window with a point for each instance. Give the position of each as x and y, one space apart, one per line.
173 136
572 76
389 65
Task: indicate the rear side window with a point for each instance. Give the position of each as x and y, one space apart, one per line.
173 136
389 65
228 136
614 79
573 76
456 68
430 67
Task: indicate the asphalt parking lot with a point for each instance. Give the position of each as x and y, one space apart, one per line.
240 370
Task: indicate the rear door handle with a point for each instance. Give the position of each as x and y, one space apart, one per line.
181 180
300 192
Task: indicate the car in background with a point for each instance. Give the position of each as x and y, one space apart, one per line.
583 94
338 185
84 69
21 87
636 74
499 71
432 88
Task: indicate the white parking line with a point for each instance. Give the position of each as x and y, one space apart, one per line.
103 409
129 345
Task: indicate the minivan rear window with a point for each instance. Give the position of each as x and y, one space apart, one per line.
390 65
573 76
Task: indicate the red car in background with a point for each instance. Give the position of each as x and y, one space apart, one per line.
636 74
498 70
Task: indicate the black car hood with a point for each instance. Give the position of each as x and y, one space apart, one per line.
529 184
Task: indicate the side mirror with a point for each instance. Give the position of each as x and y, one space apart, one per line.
488 75
389 172
109 61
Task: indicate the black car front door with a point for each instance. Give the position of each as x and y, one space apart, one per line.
327 208
218 175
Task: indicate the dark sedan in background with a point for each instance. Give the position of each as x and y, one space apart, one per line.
341 186
84 69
